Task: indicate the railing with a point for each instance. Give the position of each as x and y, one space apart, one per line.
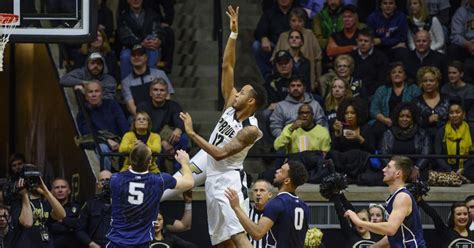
273 155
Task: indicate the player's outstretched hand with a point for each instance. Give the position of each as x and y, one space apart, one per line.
188 122
233 197
182 157
234 18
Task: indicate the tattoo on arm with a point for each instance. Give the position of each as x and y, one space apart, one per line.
244 138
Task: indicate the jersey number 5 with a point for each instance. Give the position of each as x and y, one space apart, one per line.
299 218
136 196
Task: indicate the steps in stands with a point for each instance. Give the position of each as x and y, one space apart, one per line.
195 69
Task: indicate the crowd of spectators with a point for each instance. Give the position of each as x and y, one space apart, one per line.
123 76
381 77
394 76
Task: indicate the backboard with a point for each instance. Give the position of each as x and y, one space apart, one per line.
52 20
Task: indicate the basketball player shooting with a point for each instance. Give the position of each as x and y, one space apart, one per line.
224 153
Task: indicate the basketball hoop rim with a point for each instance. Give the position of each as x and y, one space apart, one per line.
8 19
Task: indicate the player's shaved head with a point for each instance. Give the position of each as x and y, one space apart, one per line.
140 157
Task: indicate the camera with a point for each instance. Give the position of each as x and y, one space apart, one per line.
31 175
105 193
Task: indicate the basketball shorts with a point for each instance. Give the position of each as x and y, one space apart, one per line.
222 220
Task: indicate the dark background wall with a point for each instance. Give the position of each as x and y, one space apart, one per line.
35 119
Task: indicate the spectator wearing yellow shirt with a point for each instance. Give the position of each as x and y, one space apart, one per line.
304 134
140 132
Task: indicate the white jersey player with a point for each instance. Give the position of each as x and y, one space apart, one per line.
228 145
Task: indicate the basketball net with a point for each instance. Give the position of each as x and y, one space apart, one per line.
7 25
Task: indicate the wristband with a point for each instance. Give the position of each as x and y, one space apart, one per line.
233 35
188 206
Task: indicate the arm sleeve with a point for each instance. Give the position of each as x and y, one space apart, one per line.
437 42
170 86
177 122
110 85
318 32
120 119
169 181
343 221
457 27
127 143
273 209
333 49
425 150
81 123
319 116
154 142
72 78
377 102
126 91
411 40
283 139
277 121
440 227
326 142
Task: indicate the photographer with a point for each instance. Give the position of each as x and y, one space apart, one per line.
15 166
34 214
64 230
94 222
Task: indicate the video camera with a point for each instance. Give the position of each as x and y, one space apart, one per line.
31 175
32 179
105 193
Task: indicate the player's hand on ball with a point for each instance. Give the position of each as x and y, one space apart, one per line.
233 197
188 122
182 157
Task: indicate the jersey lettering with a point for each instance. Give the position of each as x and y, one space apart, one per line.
225 129
136 196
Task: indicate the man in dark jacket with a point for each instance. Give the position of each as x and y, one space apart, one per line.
106 116
63 231
139 26
370 64
94 222
424 56
95 69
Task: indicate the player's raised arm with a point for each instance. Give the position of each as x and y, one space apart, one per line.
228 64
186 181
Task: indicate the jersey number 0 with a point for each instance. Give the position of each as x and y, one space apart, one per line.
135 195
299 218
